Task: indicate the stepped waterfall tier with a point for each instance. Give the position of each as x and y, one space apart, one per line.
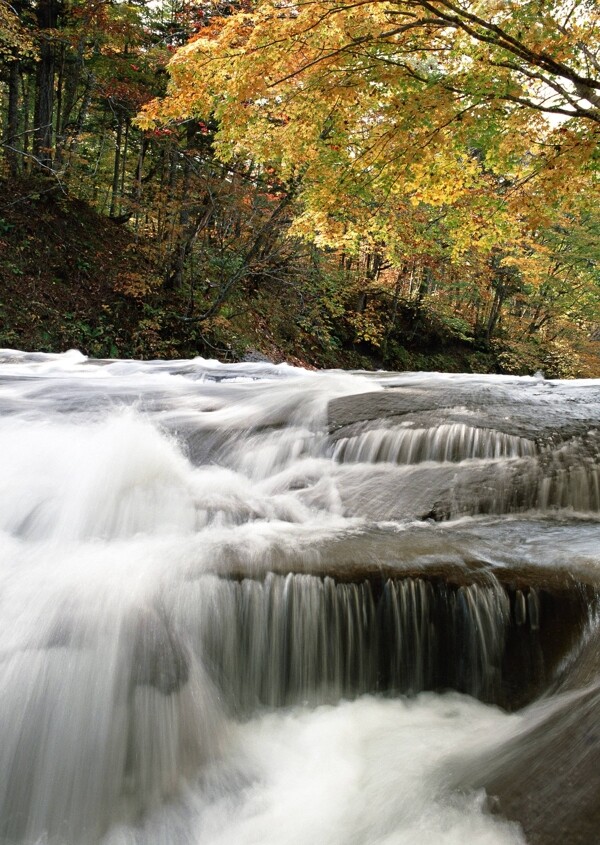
255 605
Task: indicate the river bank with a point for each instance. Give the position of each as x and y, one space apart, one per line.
71 278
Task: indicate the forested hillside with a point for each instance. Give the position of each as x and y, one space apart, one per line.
409 185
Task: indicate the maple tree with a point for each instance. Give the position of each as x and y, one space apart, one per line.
406 118
15 39
382 171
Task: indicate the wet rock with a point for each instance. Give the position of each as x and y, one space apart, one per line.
544 412
253 356
548 777
439 492
160 659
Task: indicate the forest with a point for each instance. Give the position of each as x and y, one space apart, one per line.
393 185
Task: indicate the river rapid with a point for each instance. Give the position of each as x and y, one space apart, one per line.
255 605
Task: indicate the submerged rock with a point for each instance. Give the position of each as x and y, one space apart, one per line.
159 657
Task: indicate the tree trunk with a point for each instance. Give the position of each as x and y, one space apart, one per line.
495 311
138 182
13 156
60 84
47 14
423 288
71 69
186 234
124 156
82 114
26 110
114 196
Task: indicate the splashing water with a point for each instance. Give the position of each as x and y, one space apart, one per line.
216 597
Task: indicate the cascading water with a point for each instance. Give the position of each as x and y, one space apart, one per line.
252 604
299 638
443 443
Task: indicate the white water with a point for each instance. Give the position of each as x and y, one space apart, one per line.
370 772
125 488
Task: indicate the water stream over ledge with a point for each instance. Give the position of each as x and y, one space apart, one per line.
256 605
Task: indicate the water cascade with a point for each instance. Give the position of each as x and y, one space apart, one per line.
254 604
299 638
456 442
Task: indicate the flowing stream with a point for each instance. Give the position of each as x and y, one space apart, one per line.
255 605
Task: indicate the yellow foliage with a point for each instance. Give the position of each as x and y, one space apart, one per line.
406 131
15 40
136 285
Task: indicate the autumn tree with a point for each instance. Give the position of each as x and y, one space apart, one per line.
423 126
17 46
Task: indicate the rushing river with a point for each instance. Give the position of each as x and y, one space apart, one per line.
254 605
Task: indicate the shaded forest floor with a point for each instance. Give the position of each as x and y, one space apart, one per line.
70 278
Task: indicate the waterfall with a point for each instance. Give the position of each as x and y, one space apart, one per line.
254 604
457 442
299 638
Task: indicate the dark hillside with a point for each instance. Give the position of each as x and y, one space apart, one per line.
65 272
72 278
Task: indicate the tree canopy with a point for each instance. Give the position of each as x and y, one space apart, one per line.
488 111
463 134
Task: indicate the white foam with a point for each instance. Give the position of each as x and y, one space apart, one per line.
370 772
